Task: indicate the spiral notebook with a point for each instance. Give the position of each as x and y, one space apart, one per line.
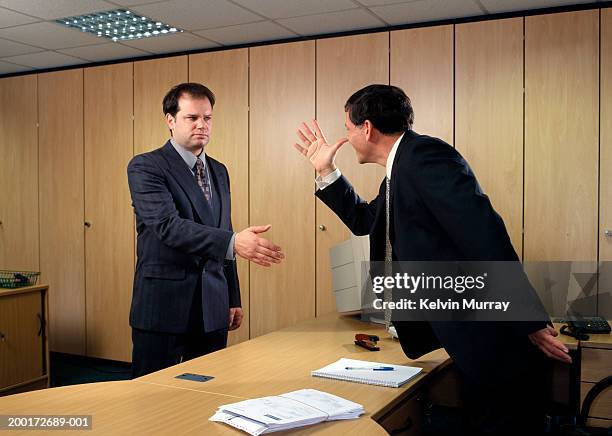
365 373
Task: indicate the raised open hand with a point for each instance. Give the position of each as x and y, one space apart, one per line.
314 146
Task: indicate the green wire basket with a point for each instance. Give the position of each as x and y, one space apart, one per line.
17 279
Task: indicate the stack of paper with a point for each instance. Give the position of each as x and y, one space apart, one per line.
372 373
286 411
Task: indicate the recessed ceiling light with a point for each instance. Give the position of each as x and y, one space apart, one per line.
123 24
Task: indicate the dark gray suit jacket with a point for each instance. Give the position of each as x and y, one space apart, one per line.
182 245
439 213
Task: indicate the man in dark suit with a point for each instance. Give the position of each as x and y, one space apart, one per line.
186 292
437 212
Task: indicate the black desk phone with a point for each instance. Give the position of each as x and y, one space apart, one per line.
579 327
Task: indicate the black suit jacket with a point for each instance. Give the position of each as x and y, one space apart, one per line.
182 245
438 213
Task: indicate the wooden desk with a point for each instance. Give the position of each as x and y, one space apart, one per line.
282 361
596 364
127 407
593 362
272 364
570 342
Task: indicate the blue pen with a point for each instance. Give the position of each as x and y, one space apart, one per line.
371 368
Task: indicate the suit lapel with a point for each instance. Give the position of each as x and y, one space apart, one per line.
409 135
183 175
377 234
216 171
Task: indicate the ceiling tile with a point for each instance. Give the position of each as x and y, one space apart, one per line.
134 2
294 8
426 10
197 14
171 43
104 52
48 35
10 48
496 6
245 33
51 9
332 22
45 59
383 2
10 18
8 68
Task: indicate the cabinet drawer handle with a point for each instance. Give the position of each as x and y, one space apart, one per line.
87 224
2 337
41 324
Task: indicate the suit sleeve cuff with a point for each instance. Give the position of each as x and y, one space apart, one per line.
324 182
229 255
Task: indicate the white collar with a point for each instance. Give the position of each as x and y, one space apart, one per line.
391 156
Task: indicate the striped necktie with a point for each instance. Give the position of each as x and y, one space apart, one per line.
388 296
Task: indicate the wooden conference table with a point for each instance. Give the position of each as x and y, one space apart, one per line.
272 364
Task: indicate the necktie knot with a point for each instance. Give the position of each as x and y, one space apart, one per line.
199 165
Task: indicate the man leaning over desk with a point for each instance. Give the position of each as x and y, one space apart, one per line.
437 212
186 292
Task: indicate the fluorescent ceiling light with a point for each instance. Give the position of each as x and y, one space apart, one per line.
118 25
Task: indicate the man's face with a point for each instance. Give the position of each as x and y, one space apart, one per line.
357 138
192 125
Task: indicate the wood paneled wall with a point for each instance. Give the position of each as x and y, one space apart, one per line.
604 303
62 197
109 241
561 136
282 93
338 76
605 193
489 113
520 98
422 65
19 241
152 80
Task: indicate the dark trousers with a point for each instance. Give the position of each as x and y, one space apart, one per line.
153 351
515 406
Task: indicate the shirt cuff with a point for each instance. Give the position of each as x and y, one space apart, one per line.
230 249
324 182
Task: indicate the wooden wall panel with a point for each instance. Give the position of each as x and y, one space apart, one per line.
281 183
561 136
489 113
422 65
19 248
340 72
109 246
152 80
605 182
605 194
61 194
226 73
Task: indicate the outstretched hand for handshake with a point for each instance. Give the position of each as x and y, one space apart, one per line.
249 245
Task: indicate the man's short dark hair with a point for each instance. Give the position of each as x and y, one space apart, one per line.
387 107
194 90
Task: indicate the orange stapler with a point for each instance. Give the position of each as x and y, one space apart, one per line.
369 342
